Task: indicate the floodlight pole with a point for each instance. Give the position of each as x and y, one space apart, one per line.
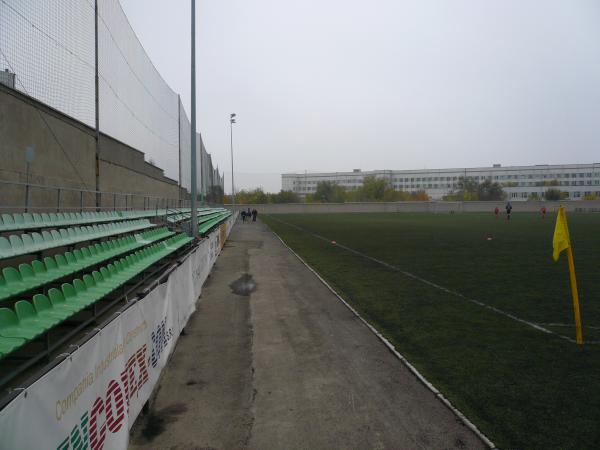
231 122
194 217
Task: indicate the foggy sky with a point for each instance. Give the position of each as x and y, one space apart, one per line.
334 85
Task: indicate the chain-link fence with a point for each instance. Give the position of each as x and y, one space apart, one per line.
47 51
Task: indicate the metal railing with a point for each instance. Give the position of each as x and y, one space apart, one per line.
27 197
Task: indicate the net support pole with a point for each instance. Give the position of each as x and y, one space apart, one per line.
232 183
97 106
194 187
179 149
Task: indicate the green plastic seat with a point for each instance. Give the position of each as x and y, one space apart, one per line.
30 280
97 276
4 288
13 279
38 240
61 262
85 297
28 220
16 244
8 222
112 269
41 274
64 235
37 219
123 267
86 252
58 301
79 258
45 309
98 290
106 275
71 297
72 261
10 326
72 235
9 345
28 245
47 237
6 250
29 317
19 221
50 264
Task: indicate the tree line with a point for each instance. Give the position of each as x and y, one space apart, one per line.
376 189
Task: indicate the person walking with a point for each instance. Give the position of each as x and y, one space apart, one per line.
254 214
508 208
243 215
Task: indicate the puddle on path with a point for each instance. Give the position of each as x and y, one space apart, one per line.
244 285
157 420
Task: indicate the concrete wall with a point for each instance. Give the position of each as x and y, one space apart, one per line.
71 163
123 169
22 125
430 207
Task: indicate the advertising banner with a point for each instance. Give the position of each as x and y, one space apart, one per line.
91 399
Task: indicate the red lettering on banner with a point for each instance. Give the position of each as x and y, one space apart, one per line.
128 378
97 436
110 412
125 387
115 407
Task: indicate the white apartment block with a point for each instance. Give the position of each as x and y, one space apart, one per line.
519 182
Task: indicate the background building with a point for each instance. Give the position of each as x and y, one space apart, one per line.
519 182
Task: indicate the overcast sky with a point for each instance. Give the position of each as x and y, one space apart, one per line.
334 85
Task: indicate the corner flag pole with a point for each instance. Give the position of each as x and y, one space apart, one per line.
562 241
575 295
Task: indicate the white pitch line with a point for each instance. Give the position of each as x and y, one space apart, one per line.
533 325
591 327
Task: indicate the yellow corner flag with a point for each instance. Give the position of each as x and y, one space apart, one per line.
562 241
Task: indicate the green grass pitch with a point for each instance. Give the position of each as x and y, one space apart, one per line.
524 388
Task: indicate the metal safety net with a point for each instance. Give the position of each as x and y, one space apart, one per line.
47 51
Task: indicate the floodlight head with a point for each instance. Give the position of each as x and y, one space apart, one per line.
232 120
232 115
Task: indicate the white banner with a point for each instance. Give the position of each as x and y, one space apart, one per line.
91 399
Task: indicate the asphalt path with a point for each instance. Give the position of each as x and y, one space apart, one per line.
272 359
